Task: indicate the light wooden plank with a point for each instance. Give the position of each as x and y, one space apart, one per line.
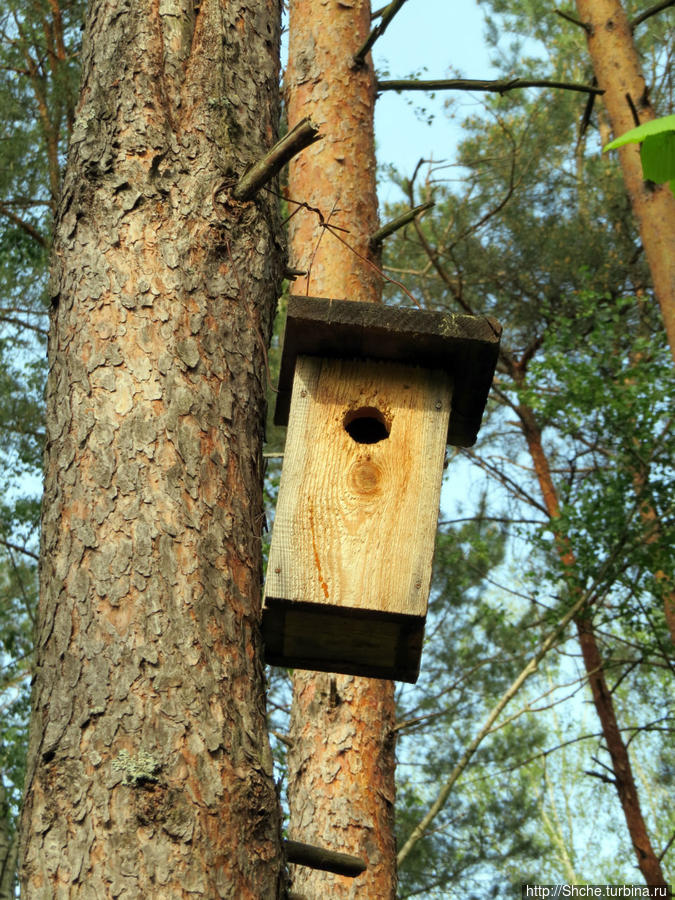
355 523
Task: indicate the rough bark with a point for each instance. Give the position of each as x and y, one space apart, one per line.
341 781
618 73
337 174
341 763
647 860
8 850
149 770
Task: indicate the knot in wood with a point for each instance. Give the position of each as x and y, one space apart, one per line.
365 477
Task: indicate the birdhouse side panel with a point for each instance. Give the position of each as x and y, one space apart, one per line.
358 503
286 577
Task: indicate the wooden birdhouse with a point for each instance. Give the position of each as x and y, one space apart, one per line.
371 396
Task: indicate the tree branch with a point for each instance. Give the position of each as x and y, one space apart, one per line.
327 860
667 847
11 546
399 222
514 488
568 17
601 776
531 667
500 86
26 226
586 117
387 14
300 136
284 738
651 11
11 320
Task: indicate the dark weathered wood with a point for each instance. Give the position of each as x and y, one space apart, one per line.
328 860
351 641
464 346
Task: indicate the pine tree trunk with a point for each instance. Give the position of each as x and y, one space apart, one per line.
617 69
149 769
647 860
341 763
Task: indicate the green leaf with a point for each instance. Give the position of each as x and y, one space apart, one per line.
637 135
658 157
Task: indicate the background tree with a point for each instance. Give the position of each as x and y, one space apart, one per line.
38 83
514 245
341 740
484 839
626 98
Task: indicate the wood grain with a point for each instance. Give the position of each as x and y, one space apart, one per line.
356 522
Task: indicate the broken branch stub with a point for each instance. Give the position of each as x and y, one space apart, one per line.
300 136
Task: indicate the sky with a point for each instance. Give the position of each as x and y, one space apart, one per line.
439 36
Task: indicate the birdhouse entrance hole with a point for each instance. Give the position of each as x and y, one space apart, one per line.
366 425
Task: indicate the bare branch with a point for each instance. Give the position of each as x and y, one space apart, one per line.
512 486
387 14
292 274
284 738
667 847
601 776
568 17
327 860
300 136
23 224
21 323
19 549
633 110
501 519
650 11
500 86
586 118
399 222
333 229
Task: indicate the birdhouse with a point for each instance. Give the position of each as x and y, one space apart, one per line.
371 396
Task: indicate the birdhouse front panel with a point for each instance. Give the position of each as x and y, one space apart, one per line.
350 562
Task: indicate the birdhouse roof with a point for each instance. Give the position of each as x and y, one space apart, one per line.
464 346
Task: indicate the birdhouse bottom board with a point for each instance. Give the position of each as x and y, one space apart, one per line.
352 545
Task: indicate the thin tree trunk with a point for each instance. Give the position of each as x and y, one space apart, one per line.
617 70
149 769
647 860
337 174
341 762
